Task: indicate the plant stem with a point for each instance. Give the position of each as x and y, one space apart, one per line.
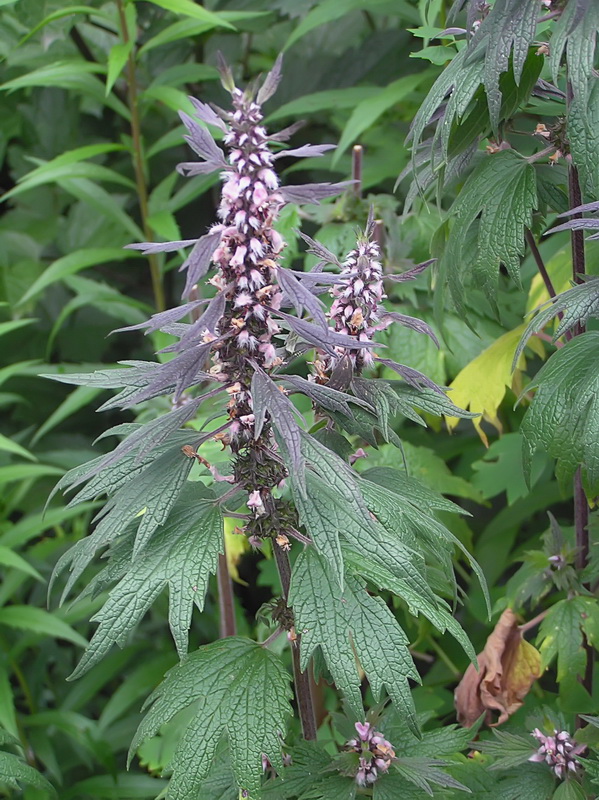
226 603
581 506
526 626
357 153
530 240
303 690
138 162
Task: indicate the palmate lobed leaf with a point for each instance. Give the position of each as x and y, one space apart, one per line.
14 771
349 623
576 306
340 521
563 418
145 495
182 555
561 633
502 190
238 688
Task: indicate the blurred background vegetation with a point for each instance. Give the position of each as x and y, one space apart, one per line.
89 140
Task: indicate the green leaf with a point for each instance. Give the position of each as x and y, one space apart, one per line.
346 624
500 469
331 10
82 396
172 98
14 771
187 29
117 58
575 306
423 772
348 97
393 786
383 578
105 203
506 35
399 515
135 687
29 527
332 787
73 75
563 418
8 558
72 157
142 495
583 135
9 446
561 633
9 730
313 506
195 11
38 621
237 687
119 786
73 169
532 781
502 191
60 73
60 13
13 325
182 555
575 33
24 472
570 790
72 263
367 112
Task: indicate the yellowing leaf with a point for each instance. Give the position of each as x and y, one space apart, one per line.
508 666
235 547
559 269
481 385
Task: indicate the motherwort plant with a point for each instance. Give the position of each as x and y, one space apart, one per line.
337 536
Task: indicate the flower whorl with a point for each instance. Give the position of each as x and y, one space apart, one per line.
559 751
246 257
375 753
356 300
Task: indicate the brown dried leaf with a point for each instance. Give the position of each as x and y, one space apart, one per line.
508 666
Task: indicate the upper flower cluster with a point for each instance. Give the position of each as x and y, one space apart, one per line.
249 246
246 257
559 751
358 295
375 753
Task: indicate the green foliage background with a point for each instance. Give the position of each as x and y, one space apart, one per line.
78 184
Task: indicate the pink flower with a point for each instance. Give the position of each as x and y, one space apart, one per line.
255 502
269 178
269 353
238 258
260 195
364 730
231 190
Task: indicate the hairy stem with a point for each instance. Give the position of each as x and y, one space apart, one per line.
226 603
138 162
581 506
303 690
